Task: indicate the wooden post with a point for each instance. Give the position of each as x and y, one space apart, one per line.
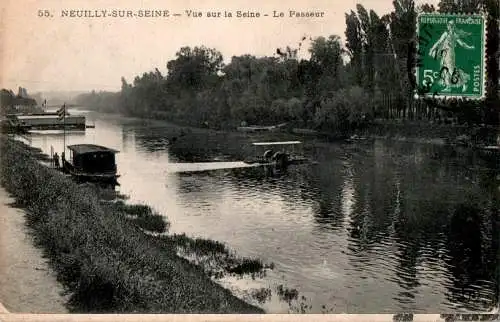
64 127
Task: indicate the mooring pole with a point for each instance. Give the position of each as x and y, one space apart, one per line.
64 127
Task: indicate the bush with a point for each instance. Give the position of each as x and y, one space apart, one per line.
345 110
141 215
153 223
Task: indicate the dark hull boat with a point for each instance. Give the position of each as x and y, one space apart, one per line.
291 160
88 176
91 163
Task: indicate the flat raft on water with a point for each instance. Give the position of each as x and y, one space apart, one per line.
279 158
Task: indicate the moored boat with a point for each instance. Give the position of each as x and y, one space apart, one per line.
93 163
280 158
261 128
51 121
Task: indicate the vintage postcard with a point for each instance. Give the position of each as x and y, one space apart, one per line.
250 157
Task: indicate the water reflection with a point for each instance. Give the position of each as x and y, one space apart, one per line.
373 227
470 259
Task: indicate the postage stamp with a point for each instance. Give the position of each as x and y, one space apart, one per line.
451 56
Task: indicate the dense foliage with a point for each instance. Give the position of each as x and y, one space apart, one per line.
8 99
323 92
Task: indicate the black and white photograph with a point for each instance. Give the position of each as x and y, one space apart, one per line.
330 157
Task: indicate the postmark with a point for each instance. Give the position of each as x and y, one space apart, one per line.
450 59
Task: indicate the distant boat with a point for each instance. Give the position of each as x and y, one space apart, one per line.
258 128
92 163
37 118
281 158
51 121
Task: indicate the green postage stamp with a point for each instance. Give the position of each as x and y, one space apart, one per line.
451 56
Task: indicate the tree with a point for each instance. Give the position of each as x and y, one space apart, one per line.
344 111
402 30
327 55
321 91
368 45
354 46
428 8
7 101
195 69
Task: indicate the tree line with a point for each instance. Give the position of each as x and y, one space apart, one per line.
8 100
323 92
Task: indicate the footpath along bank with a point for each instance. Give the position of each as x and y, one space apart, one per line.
27 284
102 252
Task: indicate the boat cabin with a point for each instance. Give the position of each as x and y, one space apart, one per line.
91 160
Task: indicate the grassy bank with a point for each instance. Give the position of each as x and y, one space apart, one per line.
448 133
101 252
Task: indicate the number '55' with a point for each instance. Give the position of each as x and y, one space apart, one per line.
43 13
429 76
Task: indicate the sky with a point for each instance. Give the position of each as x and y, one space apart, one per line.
64 53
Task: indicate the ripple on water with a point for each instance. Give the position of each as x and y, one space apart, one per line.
368 226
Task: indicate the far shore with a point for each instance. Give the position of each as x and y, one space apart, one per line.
399 130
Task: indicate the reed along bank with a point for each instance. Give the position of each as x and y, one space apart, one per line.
102 257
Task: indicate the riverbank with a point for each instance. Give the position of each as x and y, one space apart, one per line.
28 285
102 253
425 132
400 130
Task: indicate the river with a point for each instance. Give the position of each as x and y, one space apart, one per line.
374 227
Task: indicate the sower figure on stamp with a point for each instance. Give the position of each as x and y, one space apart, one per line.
444 48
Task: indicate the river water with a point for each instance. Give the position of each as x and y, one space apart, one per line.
374 227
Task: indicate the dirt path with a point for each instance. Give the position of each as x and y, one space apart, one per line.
26 283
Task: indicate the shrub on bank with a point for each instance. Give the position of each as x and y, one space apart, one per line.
142 216
108 264
153 223
214 250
